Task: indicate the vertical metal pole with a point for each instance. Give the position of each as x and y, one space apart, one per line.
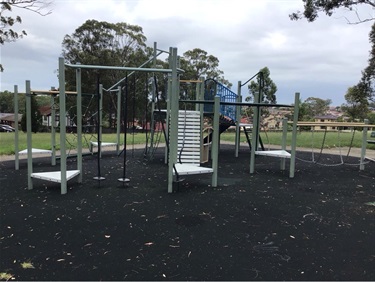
16 148
169 95
29 138
153 101
200 108
62 123
174 104
100 118
283 141
53 130
364 144
99 127
215 141
79 123
238 120
118 125
294 136
254 135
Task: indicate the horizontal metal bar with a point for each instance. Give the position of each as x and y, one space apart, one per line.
237 104
118 68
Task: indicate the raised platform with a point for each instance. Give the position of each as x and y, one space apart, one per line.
55 176
35 151
103 144
186 169
274 153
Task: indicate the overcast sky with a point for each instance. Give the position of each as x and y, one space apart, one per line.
320 59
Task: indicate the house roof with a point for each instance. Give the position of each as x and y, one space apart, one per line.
326 117
9 117
45 110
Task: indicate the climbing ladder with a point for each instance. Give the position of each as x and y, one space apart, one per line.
189 145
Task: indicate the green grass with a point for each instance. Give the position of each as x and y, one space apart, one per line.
43 140
304 140
309 139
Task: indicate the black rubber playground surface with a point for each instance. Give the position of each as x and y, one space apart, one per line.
320 225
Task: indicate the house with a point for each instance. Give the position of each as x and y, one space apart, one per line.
325 119
8 118
45 112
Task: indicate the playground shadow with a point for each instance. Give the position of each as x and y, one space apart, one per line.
320 225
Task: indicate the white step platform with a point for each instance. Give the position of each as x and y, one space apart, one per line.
55 176
103 144
35 151
274 153
186 169
247 125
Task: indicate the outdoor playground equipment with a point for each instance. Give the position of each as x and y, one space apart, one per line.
183 130
352 126
175 130
64 175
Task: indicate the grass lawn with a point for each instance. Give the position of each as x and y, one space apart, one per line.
304 140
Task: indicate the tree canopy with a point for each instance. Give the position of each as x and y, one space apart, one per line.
266 85
312 8
197 63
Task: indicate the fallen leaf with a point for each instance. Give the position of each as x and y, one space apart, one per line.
6 276
26 265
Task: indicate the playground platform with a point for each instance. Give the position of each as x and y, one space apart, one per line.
318 225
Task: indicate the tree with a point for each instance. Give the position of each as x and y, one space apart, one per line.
312 8
7 102
357 104
7 32
197 63
315 107
103 43
366 84
268 88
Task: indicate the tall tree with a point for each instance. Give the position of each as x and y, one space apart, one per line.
312 8
367 83
267 86
103 43
316 107
197 63
357 104
7 31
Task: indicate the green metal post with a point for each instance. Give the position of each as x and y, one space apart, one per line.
16 148
118 124
238 120
294 136
62 124
254 135
215 141
53 131
200 107
152 122
29 137
79 123
100 114
174 101
364 144
283 141
169 94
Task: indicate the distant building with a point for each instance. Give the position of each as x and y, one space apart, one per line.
9 118
325 119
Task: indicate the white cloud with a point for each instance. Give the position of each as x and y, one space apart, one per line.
319 59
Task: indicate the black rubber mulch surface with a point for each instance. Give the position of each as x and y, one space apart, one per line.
265 226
